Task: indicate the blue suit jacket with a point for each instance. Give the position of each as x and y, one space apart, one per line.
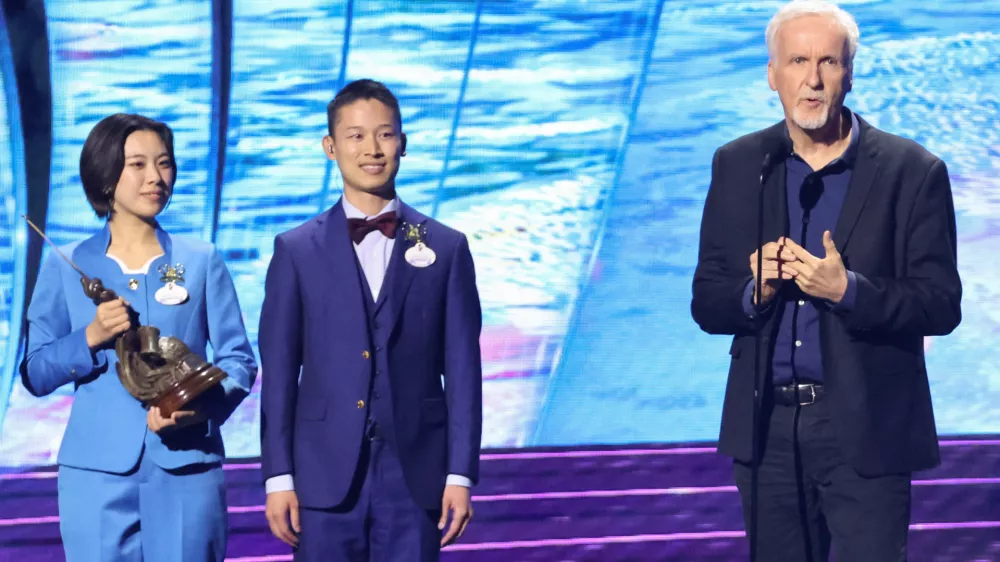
313 321
107 427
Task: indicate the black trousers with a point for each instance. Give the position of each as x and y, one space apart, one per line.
810 499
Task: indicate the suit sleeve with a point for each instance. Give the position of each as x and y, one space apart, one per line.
227 334
463 369
280 343
927 301
717 290
55 353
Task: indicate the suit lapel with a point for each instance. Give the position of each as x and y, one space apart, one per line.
400 275
168 247
339 268
865 171
92 257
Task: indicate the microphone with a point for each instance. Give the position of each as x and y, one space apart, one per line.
812 190
776 149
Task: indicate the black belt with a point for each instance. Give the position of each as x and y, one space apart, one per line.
798 394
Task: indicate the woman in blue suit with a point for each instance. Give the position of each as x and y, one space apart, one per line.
133 484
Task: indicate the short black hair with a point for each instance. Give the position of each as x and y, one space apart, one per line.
363 89
103 157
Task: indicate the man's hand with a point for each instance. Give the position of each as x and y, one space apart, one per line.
821 278
282 508
181 418
457 500
774 272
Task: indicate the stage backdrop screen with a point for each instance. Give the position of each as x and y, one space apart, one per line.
570 140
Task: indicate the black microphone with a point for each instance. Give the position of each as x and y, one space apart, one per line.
776 149
812 190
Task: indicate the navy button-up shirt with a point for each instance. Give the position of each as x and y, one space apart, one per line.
815 199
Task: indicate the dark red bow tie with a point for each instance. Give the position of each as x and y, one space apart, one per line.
359 228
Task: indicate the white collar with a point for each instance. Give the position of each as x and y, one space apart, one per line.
353 212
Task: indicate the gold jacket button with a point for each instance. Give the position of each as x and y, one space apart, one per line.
366 355
361 404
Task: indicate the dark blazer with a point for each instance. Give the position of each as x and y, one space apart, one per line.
897 233
313 321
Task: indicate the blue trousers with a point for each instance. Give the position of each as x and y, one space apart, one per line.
148 514
379 522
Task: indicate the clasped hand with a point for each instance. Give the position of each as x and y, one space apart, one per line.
785 260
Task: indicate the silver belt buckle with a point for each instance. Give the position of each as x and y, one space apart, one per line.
812 394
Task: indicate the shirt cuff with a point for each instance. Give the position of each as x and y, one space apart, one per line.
458 480
748 308
846 303
284 483
280 483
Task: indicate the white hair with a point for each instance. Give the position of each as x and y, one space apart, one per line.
801 8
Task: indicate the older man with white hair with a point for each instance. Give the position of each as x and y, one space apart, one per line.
856 265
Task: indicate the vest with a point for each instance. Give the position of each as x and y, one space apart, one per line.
380 418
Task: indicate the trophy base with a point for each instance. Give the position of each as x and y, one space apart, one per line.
181 393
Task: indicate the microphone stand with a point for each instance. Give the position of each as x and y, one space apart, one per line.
758 336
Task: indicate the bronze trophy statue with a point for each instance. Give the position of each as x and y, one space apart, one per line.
157 371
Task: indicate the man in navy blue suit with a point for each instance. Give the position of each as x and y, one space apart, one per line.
371 405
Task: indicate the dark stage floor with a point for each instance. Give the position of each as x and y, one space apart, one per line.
644 503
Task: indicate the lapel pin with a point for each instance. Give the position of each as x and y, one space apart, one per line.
420 254
171 293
